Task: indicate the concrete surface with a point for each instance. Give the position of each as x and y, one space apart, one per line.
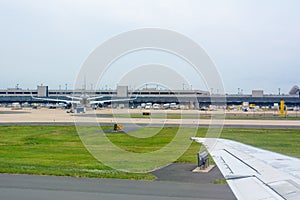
29 187
59 116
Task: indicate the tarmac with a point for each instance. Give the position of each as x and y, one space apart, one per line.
60 117
175 182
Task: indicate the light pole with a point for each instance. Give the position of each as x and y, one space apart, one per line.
66 88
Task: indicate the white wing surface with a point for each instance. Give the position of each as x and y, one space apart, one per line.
57 100
111 100
254 173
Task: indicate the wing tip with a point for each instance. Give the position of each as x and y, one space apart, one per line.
198 139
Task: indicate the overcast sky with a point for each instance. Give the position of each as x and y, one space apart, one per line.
255 44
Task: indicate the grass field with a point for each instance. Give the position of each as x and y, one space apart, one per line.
57 150
51 150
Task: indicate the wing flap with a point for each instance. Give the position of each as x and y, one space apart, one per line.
288 189
250 188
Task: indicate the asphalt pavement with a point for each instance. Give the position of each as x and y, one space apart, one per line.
167 187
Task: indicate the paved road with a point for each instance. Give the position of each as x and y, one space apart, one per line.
28 187
245 125
46 116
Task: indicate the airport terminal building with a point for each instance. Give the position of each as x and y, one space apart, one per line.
187 97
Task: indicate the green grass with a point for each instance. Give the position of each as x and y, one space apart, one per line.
248 116
57 150
144 145
51 150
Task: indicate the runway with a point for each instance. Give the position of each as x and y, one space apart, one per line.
30 187
60 117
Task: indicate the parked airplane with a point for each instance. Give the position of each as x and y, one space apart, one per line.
254 173
84 100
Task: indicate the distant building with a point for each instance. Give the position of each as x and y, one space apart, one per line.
192 98
42 91
257 93
122 91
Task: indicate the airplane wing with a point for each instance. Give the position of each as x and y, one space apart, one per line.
98 97
111 100
78 98
57 100
254 173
